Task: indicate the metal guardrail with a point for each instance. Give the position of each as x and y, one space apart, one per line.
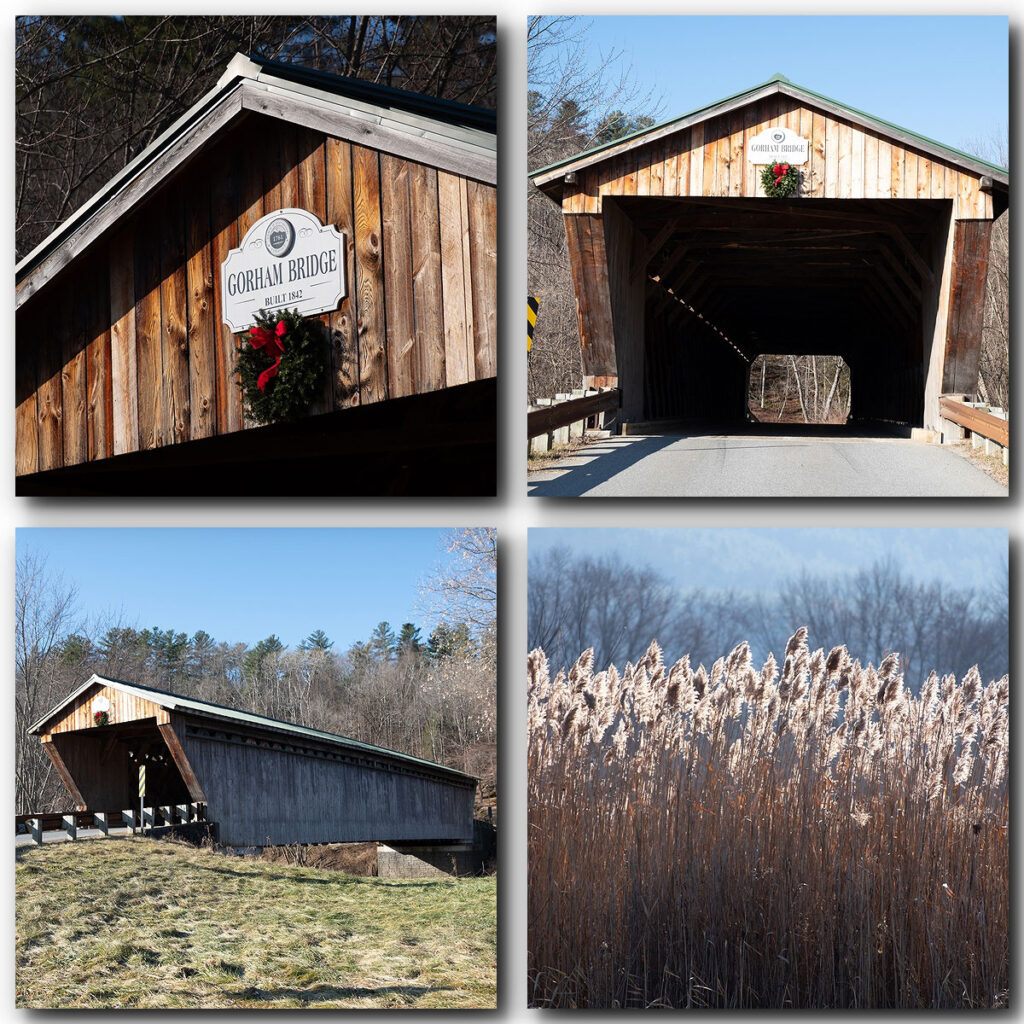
550 417
975 420
104 821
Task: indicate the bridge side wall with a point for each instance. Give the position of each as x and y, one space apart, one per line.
274 790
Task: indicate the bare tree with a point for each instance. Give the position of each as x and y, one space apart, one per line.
44 615
573 102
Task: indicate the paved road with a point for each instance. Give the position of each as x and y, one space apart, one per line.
731 466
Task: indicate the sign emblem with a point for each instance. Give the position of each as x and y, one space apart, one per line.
287 260
280 237
777 145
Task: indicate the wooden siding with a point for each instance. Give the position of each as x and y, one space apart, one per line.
124 707
126 351
965 318
710 159
276 789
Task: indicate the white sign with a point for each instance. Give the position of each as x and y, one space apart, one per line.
778 144
287 260
100 704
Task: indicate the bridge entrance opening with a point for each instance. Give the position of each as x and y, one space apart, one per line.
701 288
799 390
103 765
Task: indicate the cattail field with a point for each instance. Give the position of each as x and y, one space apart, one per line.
812 836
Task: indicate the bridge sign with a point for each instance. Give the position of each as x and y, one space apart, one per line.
287 260
778 144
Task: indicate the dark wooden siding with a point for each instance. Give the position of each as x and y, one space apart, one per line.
263 789
126 351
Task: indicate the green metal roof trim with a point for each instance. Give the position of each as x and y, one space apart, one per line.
480 118
176 701
881 122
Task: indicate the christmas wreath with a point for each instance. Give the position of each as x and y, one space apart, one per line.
100 717
280 366
780 180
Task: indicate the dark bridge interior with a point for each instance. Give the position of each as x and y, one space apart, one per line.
730 279
103 763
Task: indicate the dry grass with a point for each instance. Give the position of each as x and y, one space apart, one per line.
136 923
816 838
991 465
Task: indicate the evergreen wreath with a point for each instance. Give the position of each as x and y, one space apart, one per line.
780 180
100 717
280 366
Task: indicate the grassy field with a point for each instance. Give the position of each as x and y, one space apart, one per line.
137 923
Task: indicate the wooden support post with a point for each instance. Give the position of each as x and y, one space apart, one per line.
131 819
184 812
101 820
148 817
167 813
36 828
70 825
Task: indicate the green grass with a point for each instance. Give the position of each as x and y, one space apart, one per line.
133 923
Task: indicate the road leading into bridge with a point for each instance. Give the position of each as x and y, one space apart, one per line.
733 466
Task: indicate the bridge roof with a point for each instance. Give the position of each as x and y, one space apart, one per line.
546 178
440 133
207 709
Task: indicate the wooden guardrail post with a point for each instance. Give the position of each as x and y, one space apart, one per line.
101 820
148 817
69 822
184 812
167 813
131 819
35 826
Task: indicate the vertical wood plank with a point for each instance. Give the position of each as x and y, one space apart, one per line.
372 324
924 177
683 186
909 190
148 338
26 449
97 366
123 368
426 279
344 339
737 153
884 186
831 158
483 226
937 189
453 208
224 199
48 389
657 150
818 139
71 332
311 194
697 160
751 119
869 186
174 321
396 218
202 328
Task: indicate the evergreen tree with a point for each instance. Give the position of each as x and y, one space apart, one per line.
447 641
265 650
409 639
316 641
382 642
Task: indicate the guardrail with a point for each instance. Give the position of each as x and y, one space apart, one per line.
548 418
104 821
977 421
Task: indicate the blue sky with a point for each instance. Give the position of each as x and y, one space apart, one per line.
946 77
244 584
751 560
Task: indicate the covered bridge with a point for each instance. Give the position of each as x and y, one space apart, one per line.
126 333
684 271
263 782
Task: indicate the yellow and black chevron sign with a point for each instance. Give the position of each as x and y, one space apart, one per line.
142 781
531 320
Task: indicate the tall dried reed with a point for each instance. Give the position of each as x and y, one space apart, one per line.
815 837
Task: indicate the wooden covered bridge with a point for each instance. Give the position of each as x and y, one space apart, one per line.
685 271
127 318
260 781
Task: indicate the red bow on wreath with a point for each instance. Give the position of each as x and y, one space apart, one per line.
261 338
780 171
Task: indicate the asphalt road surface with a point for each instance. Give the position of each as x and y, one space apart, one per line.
733 466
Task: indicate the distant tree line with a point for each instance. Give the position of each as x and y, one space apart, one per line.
92 92
577 601
432 696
